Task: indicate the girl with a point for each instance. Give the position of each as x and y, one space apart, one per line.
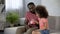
42 14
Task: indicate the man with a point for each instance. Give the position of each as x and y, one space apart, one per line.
30 16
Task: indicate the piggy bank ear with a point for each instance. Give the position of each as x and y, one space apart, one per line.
32 22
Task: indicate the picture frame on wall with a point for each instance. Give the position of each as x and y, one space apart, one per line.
2 1
2 5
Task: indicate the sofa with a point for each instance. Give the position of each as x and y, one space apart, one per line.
53 21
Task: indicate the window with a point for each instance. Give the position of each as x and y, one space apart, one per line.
13 4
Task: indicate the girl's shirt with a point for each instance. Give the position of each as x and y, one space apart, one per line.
43 23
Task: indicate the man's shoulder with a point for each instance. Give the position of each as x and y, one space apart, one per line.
28 12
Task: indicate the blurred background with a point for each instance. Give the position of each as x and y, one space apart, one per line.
53 6
20 6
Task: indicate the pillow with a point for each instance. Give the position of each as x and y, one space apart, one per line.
22 20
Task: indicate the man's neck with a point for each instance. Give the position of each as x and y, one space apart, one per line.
32 12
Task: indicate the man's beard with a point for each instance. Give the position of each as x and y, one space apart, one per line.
32 12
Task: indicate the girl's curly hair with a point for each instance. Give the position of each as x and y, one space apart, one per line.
41 10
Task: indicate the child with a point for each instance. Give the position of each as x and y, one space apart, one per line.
42 14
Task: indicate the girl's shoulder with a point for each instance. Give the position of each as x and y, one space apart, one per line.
44 19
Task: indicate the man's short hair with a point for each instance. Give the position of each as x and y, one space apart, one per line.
31 3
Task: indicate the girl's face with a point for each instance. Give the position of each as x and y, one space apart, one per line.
37 14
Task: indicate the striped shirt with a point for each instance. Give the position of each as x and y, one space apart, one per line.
29 16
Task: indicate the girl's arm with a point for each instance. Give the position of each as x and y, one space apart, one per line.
46 24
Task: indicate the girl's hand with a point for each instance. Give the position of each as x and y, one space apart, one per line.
33 21
36 22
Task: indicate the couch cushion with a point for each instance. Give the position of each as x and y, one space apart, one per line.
22 20
52 23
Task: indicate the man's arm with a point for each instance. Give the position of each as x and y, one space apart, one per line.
26 24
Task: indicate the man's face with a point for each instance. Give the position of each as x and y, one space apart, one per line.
31 8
